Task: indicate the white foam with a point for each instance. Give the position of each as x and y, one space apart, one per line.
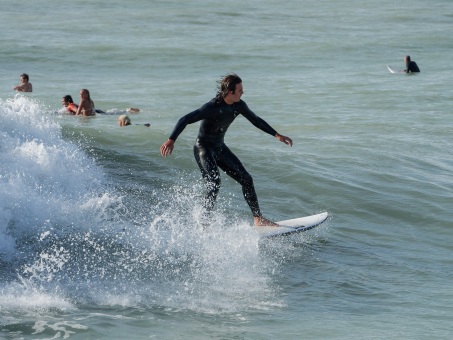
43 178
57 204
27 298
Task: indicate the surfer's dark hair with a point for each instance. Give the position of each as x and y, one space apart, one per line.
226 84
68 99
408 58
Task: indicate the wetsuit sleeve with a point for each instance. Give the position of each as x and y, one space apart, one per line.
192 117
409 67
256 121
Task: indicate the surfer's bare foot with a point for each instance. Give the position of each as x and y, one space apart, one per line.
264 222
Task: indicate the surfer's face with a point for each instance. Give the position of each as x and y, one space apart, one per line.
231 97
238 92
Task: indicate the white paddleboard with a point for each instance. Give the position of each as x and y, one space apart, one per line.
393 70
295 225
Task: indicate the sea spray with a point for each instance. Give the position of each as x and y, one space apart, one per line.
43 177
71 234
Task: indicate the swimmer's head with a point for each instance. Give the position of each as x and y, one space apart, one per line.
67 99
124 120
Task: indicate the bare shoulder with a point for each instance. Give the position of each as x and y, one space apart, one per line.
24 87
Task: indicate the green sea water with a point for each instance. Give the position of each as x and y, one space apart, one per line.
100 236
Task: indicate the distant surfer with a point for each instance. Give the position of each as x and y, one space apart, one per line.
72 107
68 103
411 66
210 151
86 105
124 120
25 85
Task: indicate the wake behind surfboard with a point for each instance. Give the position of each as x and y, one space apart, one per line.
293 226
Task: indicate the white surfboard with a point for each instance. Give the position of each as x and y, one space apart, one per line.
393 70
295 225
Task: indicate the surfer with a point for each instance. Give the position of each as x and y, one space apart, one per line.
411 66
72 107
86 105
124 120
24 86
68 103
210 151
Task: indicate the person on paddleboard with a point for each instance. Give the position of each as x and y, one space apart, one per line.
210 151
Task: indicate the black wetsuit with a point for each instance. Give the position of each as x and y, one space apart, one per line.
412 67
211 152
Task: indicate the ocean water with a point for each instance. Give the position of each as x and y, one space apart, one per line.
101 237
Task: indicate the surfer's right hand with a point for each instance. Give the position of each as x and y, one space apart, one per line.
167 147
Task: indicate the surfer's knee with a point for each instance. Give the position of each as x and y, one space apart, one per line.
246 180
